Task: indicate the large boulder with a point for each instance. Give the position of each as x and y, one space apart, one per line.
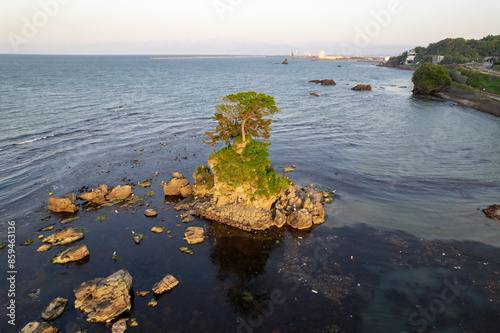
300 219
285 62
64 204
119 193
104 299
55 309
74 253
96 196
38 327
176 184
67 236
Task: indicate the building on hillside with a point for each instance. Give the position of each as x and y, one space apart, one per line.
437 59
410 58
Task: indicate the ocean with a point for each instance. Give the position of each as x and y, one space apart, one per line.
411 177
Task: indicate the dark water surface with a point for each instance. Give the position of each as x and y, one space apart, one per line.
411 177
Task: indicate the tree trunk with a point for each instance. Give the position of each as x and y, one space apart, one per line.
243 130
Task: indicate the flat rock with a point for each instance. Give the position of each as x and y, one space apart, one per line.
150 213
194 235
64 237
55 309
44 248
64 204
38 327
119 193
72 254
288 169
166 284
158 230
104 299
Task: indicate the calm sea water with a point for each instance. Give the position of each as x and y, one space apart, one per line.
421 167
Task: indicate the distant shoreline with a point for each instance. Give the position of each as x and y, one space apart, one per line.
206 57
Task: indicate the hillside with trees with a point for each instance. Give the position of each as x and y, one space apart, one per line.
454 50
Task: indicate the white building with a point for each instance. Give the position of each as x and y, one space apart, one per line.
321 54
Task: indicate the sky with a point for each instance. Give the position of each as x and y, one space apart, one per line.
257 27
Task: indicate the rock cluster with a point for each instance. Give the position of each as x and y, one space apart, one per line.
64 204
166 284
299 208
104 299
55 309
72 254
362 87
100 195
178 185
326 82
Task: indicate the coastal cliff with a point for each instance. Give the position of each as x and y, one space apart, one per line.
483 102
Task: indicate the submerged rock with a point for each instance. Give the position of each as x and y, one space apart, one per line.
362 87
104 299
176 185
166 284
64 204
314 94
64 237
38 327
55 309
71 219
120 326
138 238
194 235
72 254
153 302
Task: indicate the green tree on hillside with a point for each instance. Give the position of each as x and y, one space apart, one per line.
244 113
430 79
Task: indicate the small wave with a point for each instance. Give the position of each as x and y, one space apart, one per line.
33 140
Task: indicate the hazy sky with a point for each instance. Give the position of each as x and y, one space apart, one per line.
238 26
